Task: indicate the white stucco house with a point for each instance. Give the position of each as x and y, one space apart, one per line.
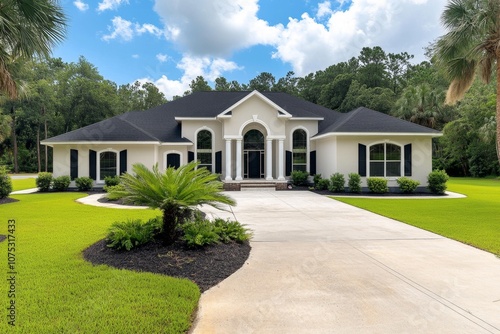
248 136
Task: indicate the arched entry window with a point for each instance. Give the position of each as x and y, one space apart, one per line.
204 149
108 164
299 150
385 160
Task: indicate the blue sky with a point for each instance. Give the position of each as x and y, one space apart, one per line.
170 42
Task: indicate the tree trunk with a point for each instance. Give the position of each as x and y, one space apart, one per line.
170 220
498 108
46 148
14 140
38 148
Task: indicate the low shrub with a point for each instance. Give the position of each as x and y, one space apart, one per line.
316 179
299 178
44 181
354 183
132 233
323 184
337 182
61 183
231 231
407 185
114 193
377 185
200 233
84 183
5 183
110 181
437 181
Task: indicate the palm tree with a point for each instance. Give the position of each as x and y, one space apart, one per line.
470 47
175 192
28 29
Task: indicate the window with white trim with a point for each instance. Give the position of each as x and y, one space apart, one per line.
385 160
299 150
108 164
204 149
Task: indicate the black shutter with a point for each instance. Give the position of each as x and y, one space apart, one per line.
123 162
73 164
362 160
312 162
93 165
218 162
408 160
190 156
173 160
288 165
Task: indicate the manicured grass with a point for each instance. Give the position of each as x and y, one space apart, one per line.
57 291
473 220
21 184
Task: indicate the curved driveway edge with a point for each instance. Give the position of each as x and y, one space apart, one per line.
321 266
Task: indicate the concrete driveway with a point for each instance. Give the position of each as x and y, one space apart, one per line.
321 266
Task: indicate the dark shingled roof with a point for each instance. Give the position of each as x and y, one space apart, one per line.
159 124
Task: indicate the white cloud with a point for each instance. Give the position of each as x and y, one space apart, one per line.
395 25
162 57
215 28
192 66
82 6
324 9
135 56
110 4
127 30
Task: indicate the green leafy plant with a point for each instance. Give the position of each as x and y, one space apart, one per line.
437 181
84 183
299 178
323 184
44 181
175 191
407 185
132 233
200 233
115 192
377 185
354 183
229 230
316 179
61 183
110 181
5 183
337 183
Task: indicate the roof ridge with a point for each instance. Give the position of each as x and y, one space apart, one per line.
135 126
347 117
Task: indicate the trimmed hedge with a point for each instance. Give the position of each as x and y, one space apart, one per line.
61 183
354 183
407 185
337 183
84 183
377 185
437 181
44 181
5 183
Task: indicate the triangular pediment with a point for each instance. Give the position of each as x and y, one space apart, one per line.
282 113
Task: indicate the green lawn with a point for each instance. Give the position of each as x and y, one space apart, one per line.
57 291
474 220
21 184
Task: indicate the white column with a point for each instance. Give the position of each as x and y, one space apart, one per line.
238 160
269 159
228 160
281 166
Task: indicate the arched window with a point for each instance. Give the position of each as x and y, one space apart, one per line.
108 164
173 160
299 150
204 149
385 160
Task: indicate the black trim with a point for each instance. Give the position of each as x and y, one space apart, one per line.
408 162
312 162
218 162
73 164
93 165
288 164
362 160
123 162
190 156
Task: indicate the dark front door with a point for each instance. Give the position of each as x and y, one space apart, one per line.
254 164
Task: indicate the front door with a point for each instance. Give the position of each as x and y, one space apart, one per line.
253 147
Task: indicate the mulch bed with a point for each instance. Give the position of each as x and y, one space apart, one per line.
206 267
8 200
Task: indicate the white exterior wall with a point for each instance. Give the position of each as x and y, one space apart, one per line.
340 154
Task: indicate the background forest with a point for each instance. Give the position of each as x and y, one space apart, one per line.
56 97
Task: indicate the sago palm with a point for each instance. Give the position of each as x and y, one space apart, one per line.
28 29
174 191
471 47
